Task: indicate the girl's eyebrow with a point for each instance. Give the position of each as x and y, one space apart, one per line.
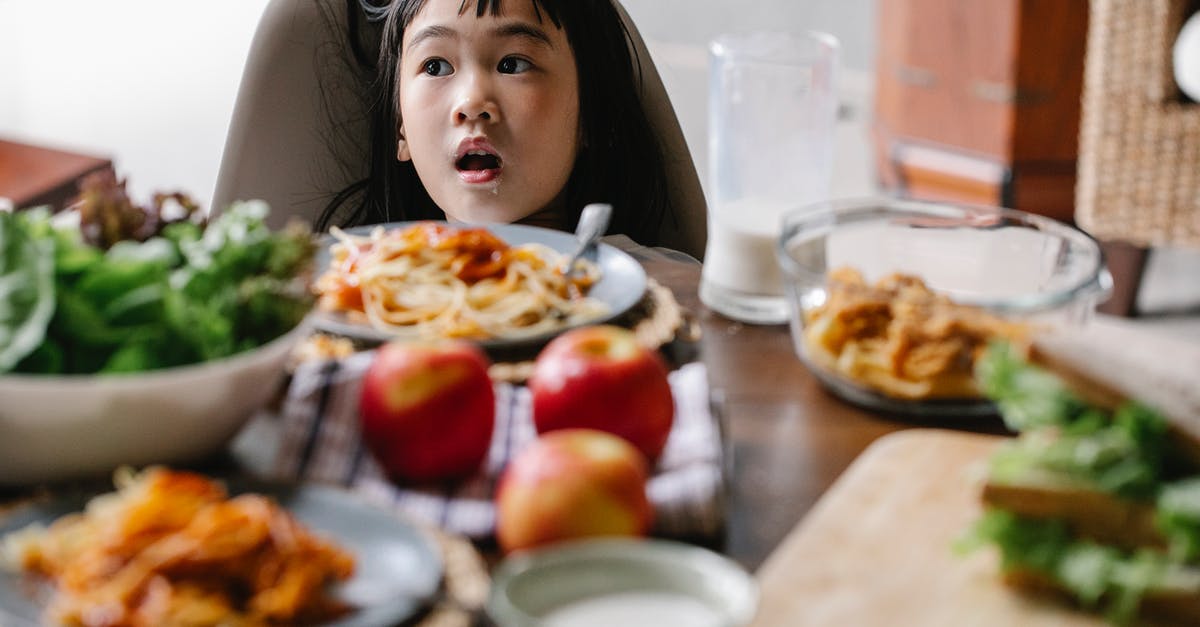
513 30
431 32
523 31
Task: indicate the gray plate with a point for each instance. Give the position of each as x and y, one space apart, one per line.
622 283
397 569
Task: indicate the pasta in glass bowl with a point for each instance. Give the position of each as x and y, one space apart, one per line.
893 300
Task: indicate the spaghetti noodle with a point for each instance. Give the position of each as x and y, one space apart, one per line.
432 280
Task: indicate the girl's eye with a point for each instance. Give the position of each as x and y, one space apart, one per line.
437 67
513 65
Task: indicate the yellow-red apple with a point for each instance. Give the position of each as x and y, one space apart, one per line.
572 483
427 409
601 377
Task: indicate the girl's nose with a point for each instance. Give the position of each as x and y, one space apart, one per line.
477 100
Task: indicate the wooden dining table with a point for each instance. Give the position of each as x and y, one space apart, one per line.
789 437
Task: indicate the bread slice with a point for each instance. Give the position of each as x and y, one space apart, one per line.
1107 363
1167 605
1091 514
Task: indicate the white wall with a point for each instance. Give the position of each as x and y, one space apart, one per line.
151 83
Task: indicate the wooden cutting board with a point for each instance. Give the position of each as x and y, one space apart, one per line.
876 550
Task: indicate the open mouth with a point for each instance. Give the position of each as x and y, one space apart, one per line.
477 161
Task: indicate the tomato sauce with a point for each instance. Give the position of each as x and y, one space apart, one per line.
481 254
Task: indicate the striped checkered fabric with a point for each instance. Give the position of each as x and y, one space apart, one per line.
321 442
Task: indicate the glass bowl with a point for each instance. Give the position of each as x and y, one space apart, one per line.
621 581
1018 266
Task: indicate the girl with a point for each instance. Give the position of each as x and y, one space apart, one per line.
507 111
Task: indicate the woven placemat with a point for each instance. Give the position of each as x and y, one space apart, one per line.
465 584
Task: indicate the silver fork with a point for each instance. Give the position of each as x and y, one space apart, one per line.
593 221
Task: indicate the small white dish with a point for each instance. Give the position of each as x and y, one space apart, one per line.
626 582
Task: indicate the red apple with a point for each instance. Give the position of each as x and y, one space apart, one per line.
569 484
600 377
427 409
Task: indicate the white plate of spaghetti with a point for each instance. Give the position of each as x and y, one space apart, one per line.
501 285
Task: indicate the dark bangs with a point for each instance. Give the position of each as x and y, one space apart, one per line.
482 6
410 9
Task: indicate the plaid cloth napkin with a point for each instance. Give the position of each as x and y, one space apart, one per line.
321 442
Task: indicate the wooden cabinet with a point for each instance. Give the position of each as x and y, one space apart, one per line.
33 175
978 100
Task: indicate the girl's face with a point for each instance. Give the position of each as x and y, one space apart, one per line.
489 110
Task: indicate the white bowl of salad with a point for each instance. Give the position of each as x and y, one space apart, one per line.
126 338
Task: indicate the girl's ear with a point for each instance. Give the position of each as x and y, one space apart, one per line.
402 153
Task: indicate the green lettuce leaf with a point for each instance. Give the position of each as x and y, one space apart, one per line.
1027 396
26 284
192 293
1178 516
1124 457
1097 576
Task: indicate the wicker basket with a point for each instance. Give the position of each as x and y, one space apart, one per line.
1139 151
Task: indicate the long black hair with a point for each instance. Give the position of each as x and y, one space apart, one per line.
620 160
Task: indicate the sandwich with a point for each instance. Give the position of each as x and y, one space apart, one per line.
1098 497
